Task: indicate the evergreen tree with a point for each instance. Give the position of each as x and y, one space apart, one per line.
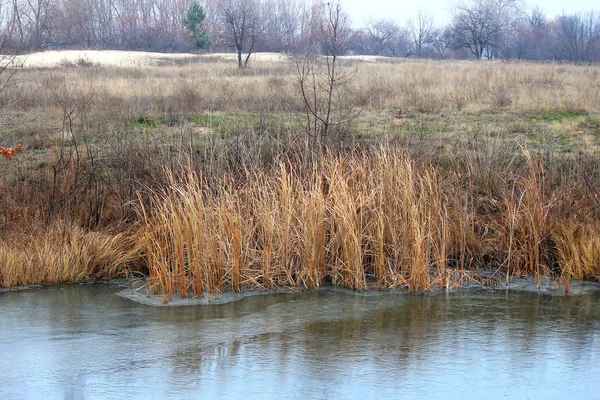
193 21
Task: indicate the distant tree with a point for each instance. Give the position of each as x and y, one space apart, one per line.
281 25
579 35
441 41
310 20
194 22
529 40
35 20
537 36
537 18
242 26
480 24
421 29
386 38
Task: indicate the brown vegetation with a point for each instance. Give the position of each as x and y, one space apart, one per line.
63 253
203 177
380 219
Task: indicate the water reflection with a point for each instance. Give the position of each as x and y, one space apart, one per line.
82 341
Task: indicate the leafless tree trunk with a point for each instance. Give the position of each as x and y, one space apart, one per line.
421 30
478 25
320 77
242 26
579 35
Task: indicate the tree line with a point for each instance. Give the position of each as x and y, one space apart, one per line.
492 29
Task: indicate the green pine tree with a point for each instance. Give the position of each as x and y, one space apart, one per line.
193 21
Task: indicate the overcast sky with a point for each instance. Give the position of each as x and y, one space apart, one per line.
400 11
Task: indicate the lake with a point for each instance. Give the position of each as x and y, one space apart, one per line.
86 342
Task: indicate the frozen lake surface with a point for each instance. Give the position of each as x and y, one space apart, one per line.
86 342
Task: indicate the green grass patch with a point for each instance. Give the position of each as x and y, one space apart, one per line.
153 122
558 115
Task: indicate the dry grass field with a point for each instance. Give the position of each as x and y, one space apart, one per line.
203 177
543 104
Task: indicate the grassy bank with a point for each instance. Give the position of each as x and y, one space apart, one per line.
204 178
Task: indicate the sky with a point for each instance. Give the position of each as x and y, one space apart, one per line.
400 11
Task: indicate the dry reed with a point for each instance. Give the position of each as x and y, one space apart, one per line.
64 253
374 220
356 222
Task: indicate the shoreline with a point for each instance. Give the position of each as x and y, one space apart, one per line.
549 287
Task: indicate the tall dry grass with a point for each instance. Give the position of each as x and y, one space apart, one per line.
376 218
578 251
353 222
64 253
216 85
380 219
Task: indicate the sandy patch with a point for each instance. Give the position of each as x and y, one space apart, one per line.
366 58
267 57
127 59
49 59
380 59
132 59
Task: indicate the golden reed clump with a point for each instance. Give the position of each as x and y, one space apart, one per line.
369 221
377 219
63 253
355 222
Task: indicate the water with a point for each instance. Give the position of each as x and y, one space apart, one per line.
85 342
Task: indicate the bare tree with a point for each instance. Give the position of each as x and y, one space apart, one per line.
385 38
530 38
421 29
441 41
534 36
579 35
537 18
36 17
281 25
479 24
320 78
310 17
242 26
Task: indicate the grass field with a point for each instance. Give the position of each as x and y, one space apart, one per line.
203 177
